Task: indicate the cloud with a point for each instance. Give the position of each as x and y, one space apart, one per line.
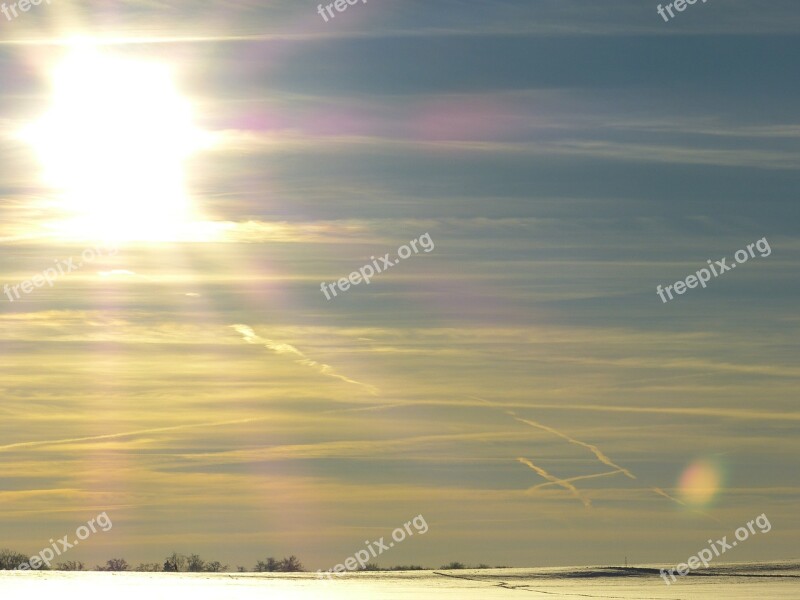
370 448
110 436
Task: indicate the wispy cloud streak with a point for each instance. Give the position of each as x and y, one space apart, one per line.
111 436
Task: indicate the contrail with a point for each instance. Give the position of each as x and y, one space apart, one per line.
251 337
594 449
578 478
110 436
563 483
661 492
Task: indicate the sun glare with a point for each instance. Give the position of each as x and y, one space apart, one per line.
113 146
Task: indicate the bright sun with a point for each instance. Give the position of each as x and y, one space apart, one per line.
113 146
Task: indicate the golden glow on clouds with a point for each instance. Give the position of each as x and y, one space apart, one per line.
113 145
187 420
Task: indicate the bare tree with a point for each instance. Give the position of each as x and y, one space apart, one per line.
115 564
175 563
285 565
270 566
196 564
290 565
216 567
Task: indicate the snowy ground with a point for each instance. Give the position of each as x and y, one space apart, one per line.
771 582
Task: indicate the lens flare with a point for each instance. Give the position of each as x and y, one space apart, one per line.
700 483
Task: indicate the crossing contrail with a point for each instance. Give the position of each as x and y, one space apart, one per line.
561 482
591 447
594 449
571 479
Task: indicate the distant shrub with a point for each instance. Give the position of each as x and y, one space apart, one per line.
10 560
287 565
215 567
70 565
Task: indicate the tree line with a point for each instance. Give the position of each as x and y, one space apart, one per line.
192 563
174 563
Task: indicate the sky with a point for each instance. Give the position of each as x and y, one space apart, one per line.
521 385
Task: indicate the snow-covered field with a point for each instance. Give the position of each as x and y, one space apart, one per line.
744 582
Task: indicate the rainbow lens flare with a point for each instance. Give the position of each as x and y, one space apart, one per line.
701 482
